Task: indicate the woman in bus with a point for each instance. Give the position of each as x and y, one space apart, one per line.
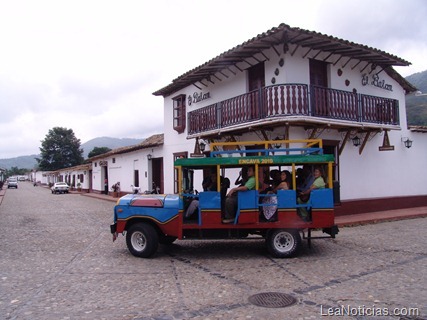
231 199
270 202
303 197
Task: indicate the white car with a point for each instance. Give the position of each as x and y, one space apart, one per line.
12 183
60 187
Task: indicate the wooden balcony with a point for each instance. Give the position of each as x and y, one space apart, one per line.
284 101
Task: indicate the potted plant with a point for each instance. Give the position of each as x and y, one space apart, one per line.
79 187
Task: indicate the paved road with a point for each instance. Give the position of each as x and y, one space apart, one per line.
57 261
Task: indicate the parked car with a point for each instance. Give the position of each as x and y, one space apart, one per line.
60 187
12 183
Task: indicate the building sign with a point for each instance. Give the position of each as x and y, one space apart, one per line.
197 97
375 81
386 144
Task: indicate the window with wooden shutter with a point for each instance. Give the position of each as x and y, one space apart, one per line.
179 116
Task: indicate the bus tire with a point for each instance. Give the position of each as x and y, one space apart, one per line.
142 240
283 243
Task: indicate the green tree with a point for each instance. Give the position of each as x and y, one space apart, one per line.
60 149
15 171
97 151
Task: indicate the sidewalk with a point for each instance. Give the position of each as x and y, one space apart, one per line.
2 192
346 220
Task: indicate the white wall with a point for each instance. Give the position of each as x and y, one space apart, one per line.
122 170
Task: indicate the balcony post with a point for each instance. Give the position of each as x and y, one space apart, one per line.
260 106
219 115
360 108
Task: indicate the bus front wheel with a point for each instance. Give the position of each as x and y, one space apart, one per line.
283 243
142 240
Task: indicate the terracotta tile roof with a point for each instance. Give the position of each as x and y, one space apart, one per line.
86 166
282 35
418 128
153 141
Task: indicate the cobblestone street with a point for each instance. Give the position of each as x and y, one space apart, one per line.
58 261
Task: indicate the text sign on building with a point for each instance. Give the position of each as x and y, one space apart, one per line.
198 97
376 82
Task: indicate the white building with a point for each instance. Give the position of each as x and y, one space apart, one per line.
297 84
139 165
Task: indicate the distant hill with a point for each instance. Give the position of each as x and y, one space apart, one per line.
416 106
23 162
419 80
30 162
112 143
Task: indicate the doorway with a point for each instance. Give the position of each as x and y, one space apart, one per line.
318 73
157 173
318 87
256 77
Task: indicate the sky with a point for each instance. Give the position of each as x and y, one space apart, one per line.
92 66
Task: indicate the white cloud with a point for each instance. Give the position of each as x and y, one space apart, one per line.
92 65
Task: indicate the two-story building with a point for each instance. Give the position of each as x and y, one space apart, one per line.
290 83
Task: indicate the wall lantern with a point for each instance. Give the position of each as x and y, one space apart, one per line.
202 145
199 148
149 157
407 142
277 144
356 141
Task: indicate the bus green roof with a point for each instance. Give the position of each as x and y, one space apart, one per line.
252 160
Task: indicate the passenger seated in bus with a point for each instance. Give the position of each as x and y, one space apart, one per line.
242 178
304 196
272 180
209 183
285 181
269 207
289 179
307 177
192 208
231 200
225 184
194 204
299 178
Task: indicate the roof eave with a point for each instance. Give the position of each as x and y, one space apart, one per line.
281 35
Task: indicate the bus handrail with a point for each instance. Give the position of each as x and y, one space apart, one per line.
268 152
267 147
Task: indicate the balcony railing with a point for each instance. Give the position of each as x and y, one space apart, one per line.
294 99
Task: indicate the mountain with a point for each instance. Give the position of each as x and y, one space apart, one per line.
29 162
416 106
22 162
419 80
112 143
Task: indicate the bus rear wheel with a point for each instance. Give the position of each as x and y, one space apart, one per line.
142 240
283 243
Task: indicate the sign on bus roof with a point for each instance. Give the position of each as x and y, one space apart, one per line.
253 160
